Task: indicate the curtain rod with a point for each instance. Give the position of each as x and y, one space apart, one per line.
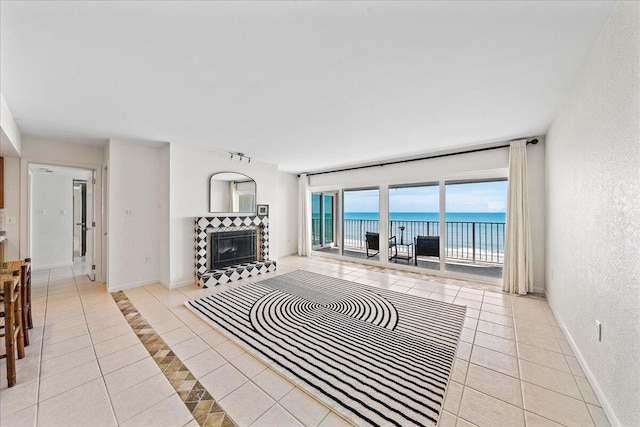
397 162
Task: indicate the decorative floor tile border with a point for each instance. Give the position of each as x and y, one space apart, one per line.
197 399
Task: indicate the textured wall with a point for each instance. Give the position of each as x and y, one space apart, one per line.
593 215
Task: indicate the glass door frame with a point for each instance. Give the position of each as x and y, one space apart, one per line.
501 175
322 243
408 245
382 223
383 186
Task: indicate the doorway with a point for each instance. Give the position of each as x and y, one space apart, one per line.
62 218
79 218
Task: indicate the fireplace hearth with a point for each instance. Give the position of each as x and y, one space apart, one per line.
230 237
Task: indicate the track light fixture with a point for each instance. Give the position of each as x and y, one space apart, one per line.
240 156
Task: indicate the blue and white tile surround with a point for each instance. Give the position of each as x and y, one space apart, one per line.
206 225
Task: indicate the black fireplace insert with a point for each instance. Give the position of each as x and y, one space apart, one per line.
226 248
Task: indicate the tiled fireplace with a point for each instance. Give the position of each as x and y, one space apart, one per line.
220 232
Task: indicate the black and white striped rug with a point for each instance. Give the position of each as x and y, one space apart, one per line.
375 356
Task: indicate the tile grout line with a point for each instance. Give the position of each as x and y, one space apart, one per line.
201 405
44 325
518 358
93 347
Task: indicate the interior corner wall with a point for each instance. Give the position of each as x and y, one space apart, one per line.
12 145
135 214
190 170
536 178
286 222
52 214
432 170
12 207
163 211
593 215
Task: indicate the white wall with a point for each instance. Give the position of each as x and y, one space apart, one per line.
59 152
593 215
191 169
12 207
286 222
10 137
164 229
135 182
465 164
52 212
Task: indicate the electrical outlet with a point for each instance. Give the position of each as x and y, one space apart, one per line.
11 220
128 212
598 330
146 260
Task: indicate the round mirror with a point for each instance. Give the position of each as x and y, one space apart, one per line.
232 192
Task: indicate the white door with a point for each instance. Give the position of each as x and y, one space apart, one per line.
91 226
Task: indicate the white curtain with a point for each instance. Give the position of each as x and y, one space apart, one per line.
304 216
517 274
233 197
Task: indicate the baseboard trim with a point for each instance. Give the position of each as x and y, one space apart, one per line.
181 284
606 406
131 285
47 267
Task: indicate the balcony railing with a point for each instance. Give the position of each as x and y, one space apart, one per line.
328 230
463 240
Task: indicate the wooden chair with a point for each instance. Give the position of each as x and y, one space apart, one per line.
426 246
23 269
11 324
373 244
27 320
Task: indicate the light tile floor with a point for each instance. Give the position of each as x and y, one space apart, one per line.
86 367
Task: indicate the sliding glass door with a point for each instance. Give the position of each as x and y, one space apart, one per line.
450 226
323 221
361 224
414 224
475 225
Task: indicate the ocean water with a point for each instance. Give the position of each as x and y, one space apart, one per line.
432 216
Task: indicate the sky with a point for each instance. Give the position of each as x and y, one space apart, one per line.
470 197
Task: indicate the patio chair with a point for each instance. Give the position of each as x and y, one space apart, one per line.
426 246
373 244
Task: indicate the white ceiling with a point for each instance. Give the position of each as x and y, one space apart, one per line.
305 85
